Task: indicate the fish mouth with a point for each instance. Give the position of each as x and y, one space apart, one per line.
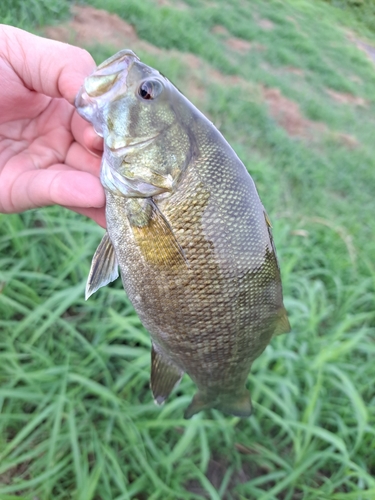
105 84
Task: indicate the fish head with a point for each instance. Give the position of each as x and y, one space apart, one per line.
125 100
137 111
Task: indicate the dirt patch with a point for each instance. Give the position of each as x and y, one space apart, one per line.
347 140
282 70
266 24
241 45
294 71
193 61
218 29
288 115
90 26
345 98
83 28
238 44
197 84
201 75
228 80
178 5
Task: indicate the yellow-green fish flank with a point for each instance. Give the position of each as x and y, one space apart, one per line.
187 228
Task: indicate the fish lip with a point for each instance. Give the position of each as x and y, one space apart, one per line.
88 106
117 60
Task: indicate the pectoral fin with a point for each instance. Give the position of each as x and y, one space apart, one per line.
153 234
104 267
164 376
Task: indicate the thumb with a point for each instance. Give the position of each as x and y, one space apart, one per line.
46 66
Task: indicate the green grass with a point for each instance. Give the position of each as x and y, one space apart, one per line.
358 13
77 419
27 14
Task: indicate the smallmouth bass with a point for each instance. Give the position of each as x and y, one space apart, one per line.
188 231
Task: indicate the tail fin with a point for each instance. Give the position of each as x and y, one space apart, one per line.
238 406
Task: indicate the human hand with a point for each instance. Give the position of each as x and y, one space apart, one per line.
44 143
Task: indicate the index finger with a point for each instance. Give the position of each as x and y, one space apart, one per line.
52 68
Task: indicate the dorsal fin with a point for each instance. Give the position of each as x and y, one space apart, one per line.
104 267
165 375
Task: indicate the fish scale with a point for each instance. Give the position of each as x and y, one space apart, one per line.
197 258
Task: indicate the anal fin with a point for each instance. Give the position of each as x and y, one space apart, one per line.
104 267
165 375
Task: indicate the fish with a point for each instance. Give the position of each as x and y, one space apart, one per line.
187 229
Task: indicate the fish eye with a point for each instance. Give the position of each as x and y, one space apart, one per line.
150 89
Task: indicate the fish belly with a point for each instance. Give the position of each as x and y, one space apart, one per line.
214 313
